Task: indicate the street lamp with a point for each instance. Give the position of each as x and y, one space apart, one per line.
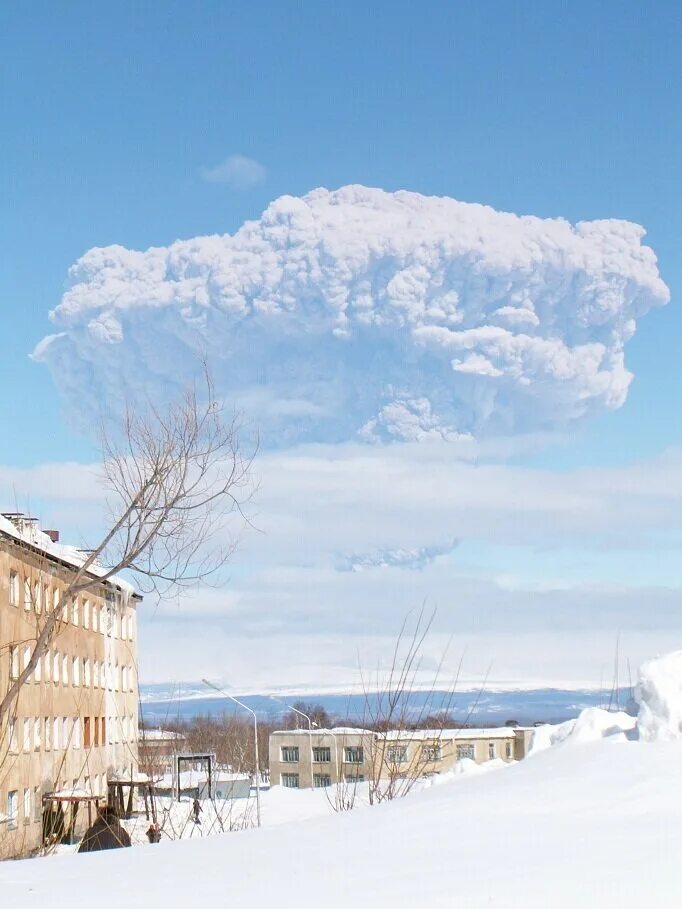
255 735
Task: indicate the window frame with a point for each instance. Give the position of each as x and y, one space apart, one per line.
290 780
284 754
353 754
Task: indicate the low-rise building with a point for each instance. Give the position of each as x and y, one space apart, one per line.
74 722
302 758
158 749
428 751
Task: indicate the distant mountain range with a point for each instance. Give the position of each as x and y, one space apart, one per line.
163 703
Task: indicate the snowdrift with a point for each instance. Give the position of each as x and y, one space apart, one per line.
659 695
593 819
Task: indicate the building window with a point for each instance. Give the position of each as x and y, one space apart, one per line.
37 804
37 722
12 809
290 780
76 727
27 656
95 674
396 754
65 733
124 678
47 598
74 611
55 733
55 668
13 588
491 750
47 665
37 672
86 613
432 753
321 780
103 620
48 733
86 673
27 806
466 752
55 599
290 755
75 671
508 750
27 594
27 735
353 754
322 755
65 670
354 778
38 597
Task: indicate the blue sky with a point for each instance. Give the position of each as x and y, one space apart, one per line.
112 116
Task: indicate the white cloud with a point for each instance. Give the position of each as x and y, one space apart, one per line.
287 612
381 316
237 171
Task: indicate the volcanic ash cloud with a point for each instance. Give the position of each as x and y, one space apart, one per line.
365 314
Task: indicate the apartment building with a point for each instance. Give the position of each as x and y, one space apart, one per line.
300 758
74 724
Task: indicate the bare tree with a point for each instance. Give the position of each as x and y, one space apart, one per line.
397 708
317 713
175 478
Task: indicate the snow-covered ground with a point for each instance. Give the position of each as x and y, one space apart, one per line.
593 818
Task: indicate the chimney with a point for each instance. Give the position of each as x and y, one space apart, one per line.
53 535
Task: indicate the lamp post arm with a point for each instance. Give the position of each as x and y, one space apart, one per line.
255 736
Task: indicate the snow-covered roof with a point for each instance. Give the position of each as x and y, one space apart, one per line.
30 534
497 732
336 730
72 793
160 735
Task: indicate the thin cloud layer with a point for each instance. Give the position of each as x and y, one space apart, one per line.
237 171
362 314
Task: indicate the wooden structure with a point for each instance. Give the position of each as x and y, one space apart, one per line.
60 814
123 804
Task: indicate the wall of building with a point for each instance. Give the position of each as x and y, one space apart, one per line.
384 757
75 722
339 766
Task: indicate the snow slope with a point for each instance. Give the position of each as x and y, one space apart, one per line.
592 819
594 824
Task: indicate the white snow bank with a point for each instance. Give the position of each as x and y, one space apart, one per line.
597 827
592 724
659 695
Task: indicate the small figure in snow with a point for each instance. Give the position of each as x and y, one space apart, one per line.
154 833
197 809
